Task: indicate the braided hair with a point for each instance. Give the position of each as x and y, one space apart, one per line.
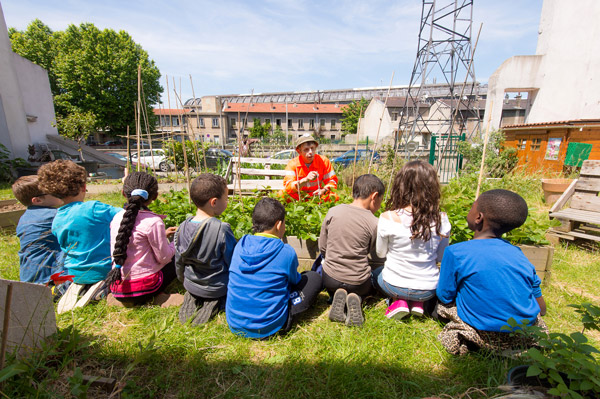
138 187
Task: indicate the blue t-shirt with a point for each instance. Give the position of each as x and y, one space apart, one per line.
40 255
83 232
260 275
491 281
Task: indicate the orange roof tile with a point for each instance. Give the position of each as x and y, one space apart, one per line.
573 122
277 108
167 111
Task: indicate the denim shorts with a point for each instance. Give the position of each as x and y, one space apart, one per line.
408 294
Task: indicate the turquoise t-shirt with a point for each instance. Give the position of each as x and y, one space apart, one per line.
83 232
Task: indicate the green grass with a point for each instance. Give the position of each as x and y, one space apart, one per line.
153 355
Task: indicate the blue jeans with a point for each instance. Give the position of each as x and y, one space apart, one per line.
408 294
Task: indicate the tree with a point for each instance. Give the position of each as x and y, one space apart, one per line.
351 114
91 70
258 130
76 126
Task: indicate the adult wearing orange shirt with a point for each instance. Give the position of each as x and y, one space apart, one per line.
309 174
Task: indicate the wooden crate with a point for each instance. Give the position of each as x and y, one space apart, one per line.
541 257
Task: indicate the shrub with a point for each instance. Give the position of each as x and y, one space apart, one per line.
499 160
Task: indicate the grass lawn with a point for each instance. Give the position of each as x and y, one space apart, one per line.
152 355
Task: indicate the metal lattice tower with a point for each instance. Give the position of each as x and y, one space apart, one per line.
444 56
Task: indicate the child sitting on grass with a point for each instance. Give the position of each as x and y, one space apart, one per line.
265 290
489 279
203 249
143 257
348 236
413 234
40 255
82 230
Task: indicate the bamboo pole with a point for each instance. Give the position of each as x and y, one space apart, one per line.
128 153
145 116
197 116
239 174
237 171
184 149
172 134
380 120
137 133
356 147
485 142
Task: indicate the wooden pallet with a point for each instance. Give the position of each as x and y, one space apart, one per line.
241 178
582 218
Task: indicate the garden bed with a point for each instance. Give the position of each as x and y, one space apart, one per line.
10 213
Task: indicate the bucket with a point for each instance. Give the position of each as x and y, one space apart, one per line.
554 188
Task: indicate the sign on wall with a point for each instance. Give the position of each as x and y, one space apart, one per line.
553 148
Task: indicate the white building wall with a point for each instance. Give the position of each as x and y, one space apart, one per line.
369 124
561 78
24 89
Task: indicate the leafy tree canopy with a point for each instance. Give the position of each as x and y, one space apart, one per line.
91 70
351 114
259 130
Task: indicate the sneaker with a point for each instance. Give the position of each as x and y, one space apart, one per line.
188 308
397 310
93 290
69 299
338 305
354 318
416 309
208 310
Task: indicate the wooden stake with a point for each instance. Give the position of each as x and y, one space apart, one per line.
172 134
485 142
138 126
6 323
128 153
201 142
380 120
356 148
183 147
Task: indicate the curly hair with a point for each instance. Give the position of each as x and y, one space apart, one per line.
62 178
266 213
417 185
136 180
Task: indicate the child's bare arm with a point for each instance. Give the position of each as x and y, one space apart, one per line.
542 304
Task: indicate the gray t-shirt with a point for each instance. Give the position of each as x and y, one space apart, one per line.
348 235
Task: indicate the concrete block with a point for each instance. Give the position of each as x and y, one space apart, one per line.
32 317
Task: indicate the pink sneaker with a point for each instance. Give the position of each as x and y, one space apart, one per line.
416 308
397 310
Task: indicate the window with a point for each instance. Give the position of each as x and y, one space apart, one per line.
536 144
394 116
300 124
522 144
333 137
268 121
200 122
233 122
175 121
311 124
163 121
278 122
333 127
290 124
322 123
215 122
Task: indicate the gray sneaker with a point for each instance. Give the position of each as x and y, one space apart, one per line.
355 316
188 308
208 310
337 311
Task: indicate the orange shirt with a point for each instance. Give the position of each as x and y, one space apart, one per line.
296 169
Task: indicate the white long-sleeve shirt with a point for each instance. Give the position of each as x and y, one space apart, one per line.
410 263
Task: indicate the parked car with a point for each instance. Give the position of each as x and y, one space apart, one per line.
112 143
216 156
285 154
153 158
58 154
347 158
117 155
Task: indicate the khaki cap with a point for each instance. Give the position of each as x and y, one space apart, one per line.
305 138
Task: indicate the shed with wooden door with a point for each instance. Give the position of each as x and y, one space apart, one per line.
552 146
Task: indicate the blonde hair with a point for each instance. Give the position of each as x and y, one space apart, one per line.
25 188
62 178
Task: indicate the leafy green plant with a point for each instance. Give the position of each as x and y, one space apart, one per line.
568 363
7 165
499 160
175 206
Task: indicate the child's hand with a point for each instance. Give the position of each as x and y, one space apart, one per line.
171 231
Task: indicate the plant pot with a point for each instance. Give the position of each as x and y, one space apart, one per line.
305 249
10 214
553 189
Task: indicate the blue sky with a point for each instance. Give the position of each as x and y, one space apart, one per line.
231 46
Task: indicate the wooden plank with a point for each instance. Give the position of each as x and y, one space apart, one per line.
586 202
576 215
562 200
262 172
249 185
590 168
541 258
261 161
586 183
